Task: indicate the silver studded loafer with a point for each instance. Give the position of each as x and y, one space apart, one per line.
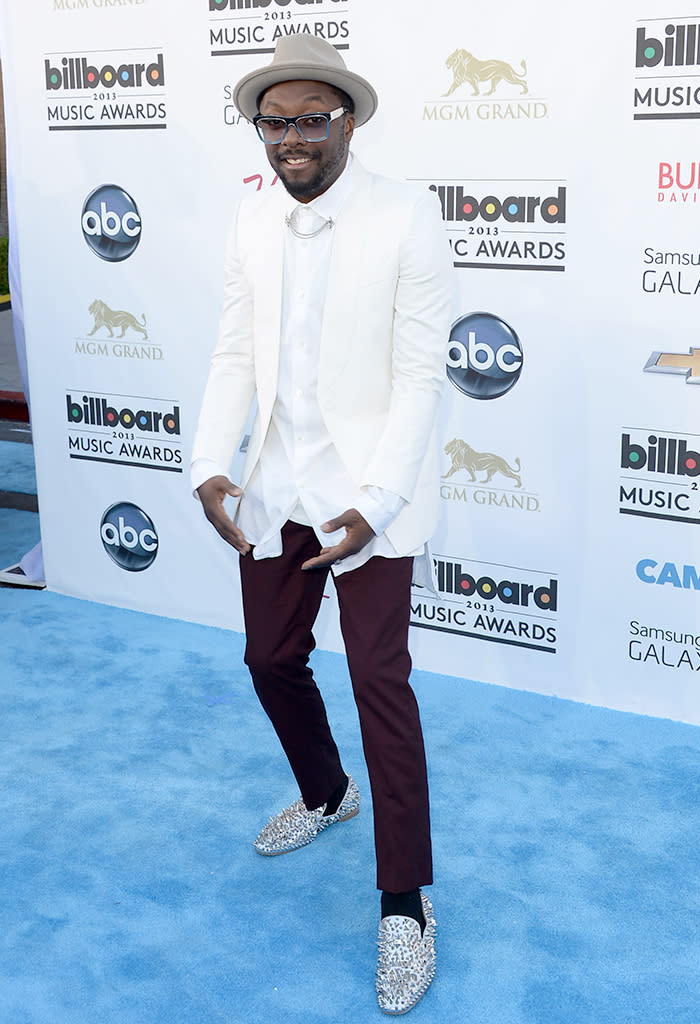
296 826
406 960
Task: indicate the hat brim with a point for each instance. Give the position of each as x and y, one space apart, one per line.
246 92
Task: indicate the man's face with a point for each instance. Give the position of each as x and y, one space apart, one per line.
307 169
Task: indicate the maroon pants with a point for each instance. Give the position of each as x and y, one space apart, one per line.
280 604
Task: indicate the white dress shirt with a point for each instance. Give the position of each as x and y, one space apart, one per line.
300 476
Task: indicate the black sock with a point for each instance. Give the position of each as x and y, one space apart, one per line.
405 904
336 798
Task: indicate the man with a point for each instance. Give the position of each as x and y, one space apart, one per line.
336 316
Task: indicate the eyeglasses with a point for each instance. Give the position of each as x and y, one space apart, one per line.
311 127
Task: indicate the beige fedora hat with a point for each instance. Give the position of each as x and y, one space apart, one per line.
302 57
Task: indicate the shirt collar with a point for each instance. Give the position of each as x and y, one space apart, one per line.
330 202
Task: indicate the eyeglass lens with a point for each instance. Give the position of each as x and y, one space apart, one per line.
312 128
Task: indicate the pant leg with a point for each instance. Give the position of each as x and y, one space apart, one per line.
375 605
280 605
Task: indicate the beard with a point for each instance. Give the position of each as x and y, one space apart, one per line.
327 165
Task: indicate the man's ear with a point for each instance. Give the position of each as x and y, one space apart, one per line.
349 126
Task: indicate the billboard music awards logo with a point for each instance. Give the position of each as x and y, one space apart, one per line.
111 223
470 83
105 91
667 648
484 356
670 273
129 536
496 603
505 225
660 475
253 26
117 334
124 431
485 479
667 62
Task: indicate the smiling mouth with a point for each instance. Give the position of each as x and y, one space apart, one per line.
296 161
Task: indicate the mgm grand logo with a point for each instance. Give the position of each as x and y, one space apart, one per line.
465 460
106 321
467 70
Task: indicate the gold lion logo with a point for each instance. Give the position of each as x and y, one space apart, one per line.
464 457
466 68
111 318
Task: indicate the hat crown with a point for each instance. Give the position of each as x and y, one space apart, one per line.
303 48
301 56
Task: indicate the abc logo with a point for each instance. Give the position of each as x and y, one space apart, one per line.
484 356
111 223
129 536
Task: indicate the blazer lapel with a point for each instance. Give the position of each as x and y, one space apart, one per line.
267 272
348 240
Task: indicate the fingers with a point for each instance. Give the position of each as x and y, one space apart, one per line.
325 557
358 532
215 489
354 541
229 532
212 493
350 519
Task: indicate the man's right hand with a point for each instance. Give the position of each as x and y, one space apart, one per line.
211 494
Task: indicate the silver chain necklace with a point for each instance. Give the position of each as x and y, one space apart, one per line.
289 221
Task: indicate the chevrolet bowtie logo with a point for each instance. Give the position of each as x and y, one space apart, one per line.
672 362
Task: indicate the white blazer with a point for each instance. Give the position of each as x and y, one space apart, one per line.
385 330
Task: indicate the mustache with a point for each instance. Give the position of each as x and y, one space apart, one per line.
298 154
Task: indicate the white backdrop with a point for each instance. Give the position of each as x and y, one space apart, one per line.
568 168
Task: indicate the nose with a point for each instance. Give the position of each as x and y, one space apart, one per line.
295 137
292 140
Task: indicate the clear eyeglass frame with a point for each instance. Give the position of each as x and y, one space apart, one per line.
309 129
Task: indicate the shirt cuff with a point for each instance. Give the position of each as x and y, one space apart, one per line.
379 507
204 469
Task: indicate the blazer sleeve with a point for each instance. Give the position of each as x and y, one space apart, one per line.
423 308
231 384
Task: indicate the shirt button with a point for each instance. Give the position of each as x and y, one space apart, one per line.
300 393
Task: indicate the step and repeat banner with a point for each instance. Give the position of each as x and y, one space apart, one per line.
563 149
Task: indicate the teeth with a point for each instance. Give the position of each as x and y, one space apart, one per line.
299 160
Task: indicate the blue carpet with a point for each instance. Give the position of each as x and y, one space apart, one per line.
19 531
17 467
137 767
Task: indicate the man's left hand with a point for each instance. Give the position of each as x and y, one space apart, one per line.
358 532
